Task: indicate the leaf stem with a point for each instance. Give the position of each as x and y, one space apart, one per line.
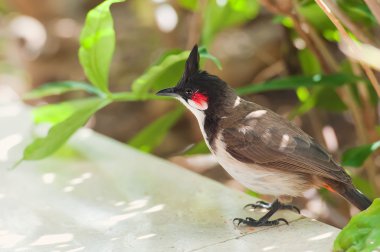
130 96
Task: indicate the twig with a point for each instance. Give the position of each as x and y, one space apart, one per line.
372 78
336 11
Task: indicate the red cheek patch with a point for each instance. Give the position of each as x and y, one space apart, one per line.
199 101
199 98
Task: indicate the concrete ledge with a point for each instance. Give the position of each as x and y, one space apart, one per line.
114 198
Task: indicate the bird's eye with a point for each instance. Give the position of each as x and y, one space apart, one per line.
188 91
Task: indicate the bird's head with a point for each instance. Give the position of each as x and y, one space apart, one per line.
200 91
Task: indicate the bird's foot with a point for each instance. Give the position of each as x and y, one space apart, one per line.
264 205
259 223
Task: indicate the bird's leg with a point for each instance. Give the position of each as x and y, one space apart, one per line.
263 221
264 205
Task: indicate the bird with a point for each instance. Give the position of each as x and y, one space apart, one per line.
260 149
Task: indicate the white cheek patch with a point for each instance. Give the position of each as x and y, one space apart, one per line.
202 105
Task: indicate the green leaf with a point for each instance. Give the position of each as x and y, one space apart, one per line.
329 100
151 136
166 72
294 82
97 44
357 11
223 14
61 132
189 4
362 233
363 185
309 63
198 148
305 106
316 17
205 55
61 87
355 157
56 113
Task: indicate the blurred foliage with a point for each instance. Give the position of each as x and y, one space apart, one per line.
294 82
58 88
355 157
358 11
151 136
219 15
362 233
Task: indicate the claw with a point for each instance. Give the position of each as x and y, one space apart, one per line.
260 222
297 209
240 220
282 219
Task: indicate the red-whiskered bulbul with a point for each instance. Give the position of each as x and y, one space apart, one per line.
259 148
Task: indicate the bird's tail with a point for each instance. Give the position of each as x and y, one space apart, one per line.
356 198
350 193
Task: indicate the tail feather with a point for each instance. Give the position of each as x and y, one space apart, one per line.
356 198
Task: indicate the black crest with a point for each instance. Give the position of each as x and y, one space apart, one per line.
192 63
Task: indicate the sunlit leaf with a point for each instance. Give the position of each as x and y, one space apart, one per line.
151 136
285 21
355 157
189 4
362 233
61 132
61 87
166 72
223 14
55 113
293 82
309 63
97 44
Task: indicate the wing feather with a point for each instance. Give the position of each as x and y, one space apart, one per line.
275 143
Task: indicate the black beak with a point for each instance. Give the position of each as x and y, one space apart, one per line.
167 92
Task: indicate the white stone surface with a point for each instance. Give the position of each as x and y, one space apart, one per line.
114 198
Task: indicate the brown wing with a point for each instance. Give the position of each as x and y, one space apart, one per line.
273 142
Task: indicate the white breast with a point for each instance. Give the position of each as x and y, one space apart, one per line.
256 178
200 115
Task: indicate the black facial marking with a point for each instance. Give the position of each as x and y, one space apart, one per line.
220 97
